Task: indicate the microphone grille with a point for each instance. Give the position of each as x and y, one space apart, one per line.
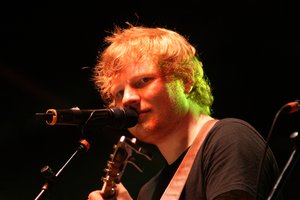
124 118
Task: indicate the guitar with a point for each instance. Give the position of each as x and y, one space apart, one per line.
122 155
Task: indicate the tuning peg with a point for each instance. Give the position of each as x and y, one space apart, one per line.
106 170
133 140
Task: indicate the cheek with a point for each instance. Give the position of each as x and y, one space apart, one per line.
155 92
177 96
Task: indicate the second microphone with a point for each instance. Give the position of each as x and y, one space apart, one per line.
117 117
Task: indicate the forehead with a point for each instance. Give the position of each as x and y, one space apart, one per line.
134 71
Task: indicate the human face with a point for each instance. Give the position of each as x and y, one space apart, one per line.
160 103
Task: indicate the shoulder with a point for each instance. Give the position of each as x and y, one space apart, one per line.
233 131
233 122
233 126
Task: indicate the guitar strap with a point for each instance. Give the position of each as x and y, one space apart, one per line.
177 183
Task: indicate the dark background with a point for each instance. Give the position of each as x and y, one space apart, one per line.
250 51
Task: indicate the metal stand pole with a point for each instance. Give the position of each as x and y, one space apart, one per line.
51 177
287 168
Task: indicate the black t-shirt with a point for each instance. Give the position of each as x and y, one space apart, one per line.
228 159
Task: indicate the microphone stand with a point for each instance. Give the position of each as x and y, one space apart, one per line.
287 168
51 177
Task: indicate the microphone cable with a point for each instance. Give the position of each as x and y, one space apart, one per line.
290 107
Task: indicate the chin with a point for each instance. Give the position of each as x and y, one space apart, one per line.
144 132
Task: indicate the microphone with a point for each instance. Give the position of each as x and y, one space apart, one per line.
116 117
292 107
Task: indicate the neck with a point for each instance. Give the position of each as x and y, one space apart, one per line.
182 137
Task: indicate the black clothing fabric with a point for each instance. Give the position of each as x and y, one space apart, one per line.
227 160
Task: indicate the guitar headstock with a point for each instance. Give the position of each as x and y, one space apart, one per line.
122 155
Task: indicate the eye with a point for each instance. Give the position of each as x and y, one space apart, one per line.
119 94
143 81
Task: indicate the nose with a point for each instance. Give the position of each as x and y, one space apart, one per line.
131 97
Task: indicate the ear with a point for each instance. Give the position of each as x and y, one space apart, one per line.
188 86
